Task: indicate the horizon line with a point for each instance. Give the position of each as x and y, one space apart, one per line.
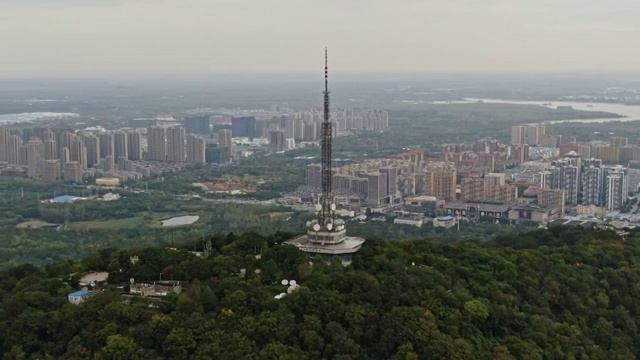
313 73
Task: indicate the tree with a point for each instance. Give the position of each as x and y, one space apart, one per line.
180 343
121 348
477 310
279 351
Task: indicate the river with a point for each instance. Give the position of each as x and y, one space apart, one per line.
631 112
27 117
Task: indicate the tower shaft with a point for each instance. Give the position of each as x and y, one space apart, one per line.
326 137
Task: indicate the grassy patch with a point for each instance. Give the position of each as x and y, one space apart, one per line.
128 223
279 216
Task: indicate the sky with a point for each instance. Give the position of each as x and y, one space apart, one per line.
155 37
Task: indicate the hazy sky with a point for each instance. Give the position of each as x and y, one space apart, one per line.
57 37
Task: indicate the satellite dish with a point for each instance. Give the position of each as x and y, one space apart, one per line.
284 282
318 207
316 227
329 226
293 283
308 223
333 206
131 280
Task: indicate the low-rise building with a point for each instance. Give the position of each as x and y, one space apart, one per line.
80 296
155 289
414 221
446 222
533 214
478 209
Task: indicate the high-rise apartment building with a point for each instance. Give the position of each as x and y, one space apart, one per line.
552 198
392 181
73 172
78 151
377 189
49 134
314 175
492 187
276 141
108 164
51 170
224 138
617 141
592 182
4 143
92 144
157 143
551 141
107 145
50 149
23 155
527 134
565 174
197 124
615 187
64 139
65 156
134 142
13 149
176 144
310 131
440 180
518 135
244 126
298 129
35 158
196 149
120 145
519 154
472 188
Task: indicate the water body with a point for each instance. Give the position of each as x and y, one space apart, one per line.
630 112
26 117
180 220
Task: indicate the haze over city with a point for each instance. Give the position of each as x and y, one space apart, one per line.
72 37
271 179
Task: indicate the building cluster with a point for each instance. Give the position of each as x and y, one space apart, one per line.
491 179
383 182
587 181
286 131
52 154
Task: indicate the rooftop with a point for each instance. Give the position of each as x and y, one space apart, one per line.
65 199
350 245
80 293
445 218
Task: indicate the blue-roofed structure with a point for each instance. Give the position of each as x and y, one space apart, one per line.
65 199
80 296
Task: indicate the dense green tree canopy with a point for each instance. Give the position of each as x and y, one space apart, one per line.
562 293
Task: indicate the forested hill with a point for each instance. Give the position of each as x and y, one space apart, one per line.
563 293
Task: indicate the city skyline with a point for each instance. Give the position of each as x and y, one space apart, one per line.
70 37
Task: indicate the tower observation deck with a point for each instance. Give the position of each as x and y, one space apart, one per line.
326 235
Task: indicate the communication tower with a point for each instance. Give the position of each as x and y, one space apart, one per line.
326 235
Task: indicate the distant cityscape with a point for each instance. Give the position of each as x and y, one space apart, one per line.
165 144
537 177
